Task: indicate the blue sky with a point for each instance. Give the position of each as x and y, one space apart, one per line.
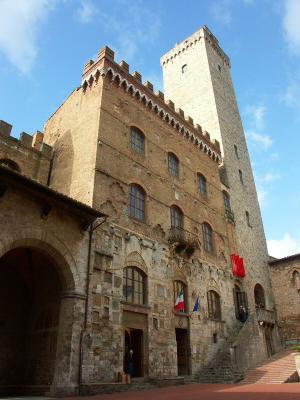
45 43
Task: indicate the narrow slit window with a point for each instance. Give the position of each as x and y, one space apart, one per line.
241 177
184 69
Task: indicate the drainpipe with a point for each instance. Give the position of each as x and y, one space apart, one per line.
92 228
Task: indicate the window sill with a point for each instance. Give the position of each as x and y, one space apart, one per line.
136 153
133 219
203 196
216 320
141 308
181 314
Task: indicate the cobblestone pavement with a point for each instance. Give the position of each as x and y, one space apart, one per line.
288 391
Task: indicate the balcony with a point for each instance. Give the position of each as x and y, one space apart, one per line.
184 242
265 316
229 216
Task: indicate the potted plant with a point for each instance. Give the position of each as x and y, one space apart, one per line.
297 358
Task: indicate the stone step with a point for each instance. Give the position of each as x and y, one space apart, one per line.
278 369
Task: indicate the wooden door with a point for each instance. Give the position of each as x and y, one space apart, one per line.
182 351
269 340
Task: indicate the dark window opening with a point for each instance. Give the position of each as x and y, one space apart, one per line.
214 305
176 218
202 185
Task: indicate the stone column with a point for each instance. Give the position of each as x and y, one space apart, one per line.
66 375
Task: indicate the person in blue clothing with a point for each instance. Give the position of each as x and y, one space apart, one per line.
129 362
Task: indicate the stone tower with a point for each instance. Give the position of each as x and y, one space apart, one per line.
197 79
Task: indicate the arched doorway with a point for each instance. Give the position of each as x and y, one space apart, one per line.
30 293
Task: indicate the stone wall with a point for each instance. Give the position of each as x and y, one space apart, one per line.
285 276
59 240
31 155
205 91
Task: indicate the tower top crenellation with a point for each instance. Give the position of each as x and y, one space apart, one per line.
132 83
202 34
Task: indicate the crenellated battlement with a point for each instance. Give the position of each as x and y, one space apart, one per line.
118 73
33 142
202 34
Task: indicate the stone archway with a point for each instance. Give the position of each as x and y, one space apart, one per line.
33 312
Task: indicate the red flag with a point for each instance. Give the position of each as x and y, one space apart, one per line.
234 261
242 268
237 266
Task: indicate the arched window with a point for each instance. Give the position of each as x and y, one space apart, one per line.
10 164
214 305
202 185
176 218
226 200
296 279
136 206
207 237
240 302
259 296
173 165
137 140
134 285
184 69
180 288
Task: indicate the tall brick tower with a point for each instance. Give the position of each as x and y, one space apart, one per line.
197 79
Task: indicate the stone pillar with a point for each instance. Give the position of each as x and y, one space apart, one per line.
66 375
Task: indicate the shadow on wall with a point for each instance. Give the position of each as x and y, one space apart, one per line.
63 164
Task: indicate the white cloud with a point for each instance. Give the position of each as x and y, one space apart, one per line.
86 11
291 25
270 177
262 195
257 113
140 27
20 21
259 139
221 12
292 94
284 247
274 157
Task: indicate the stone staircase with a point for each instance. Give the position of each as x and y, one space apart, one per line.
221 369
280 368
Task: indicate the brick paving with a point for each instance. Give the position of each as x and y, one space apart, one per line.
289 391
277 369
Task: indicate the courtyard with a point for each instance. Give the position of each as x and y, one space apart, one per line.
289 391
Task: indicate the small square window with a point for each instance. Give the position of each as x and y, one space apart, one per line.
219 68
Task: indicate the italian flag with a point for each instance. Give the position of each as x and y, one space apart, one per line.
179 303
